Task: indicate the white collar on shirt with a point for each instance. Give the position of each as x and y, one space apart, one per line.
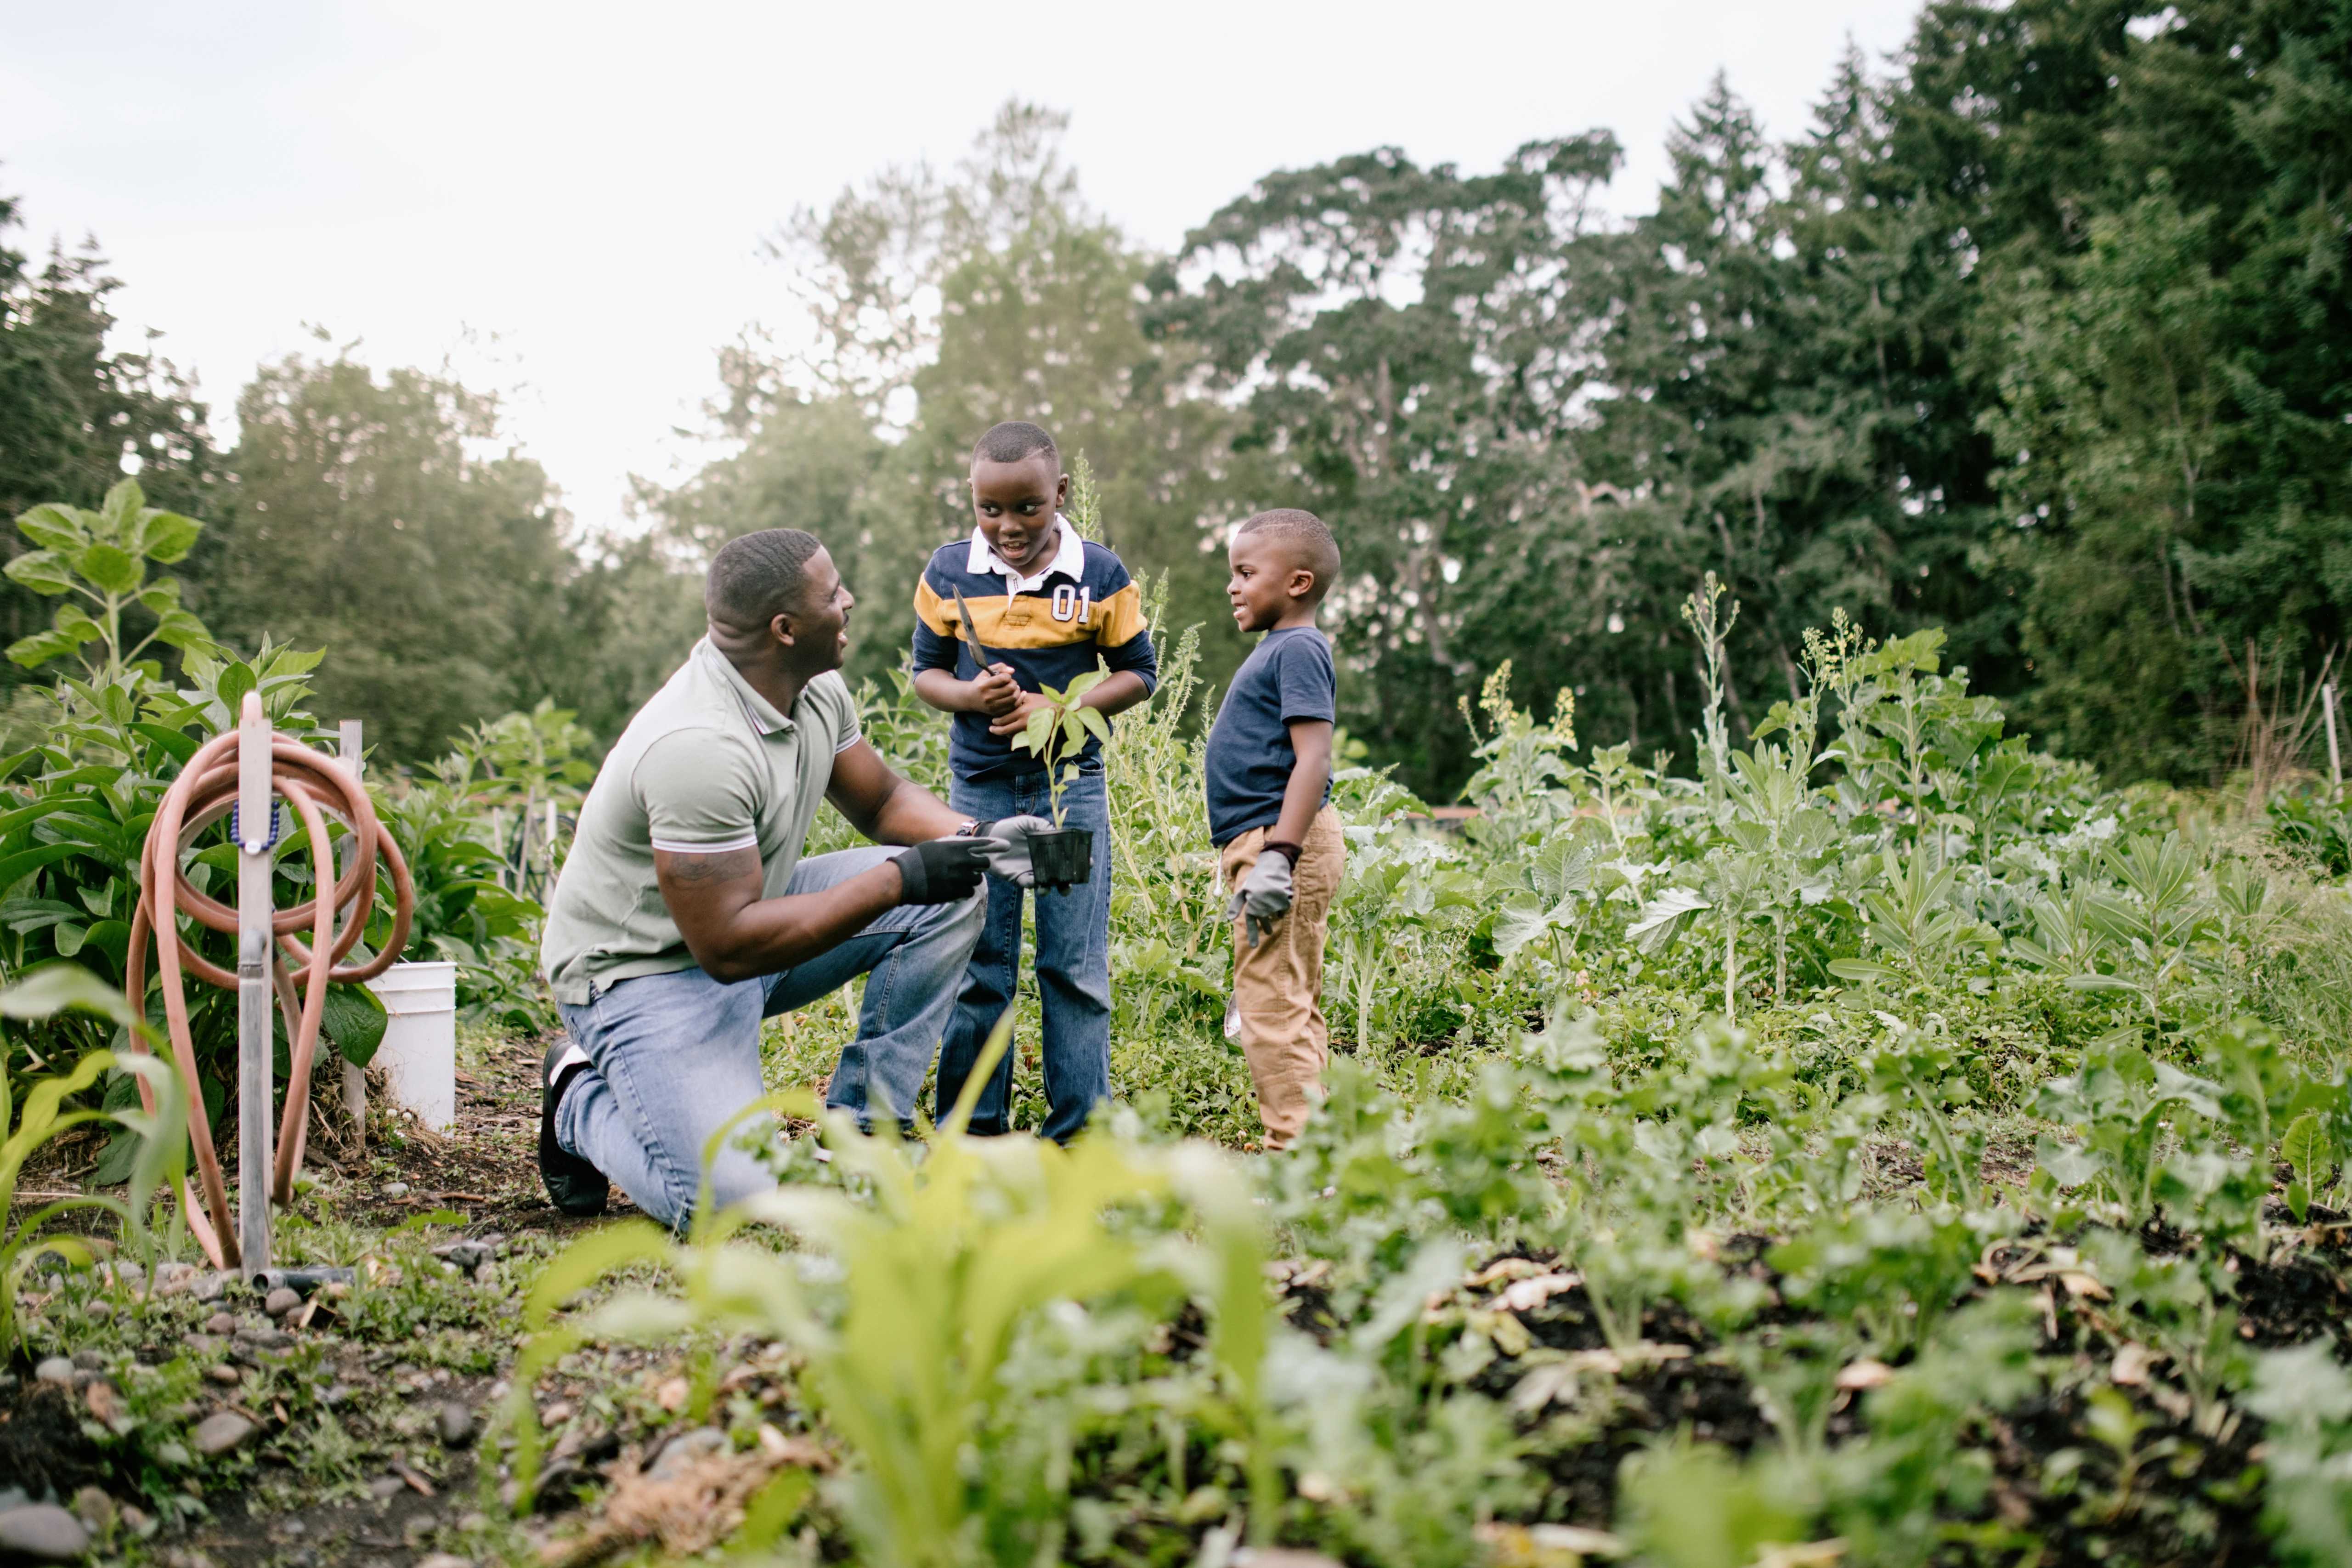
1070 559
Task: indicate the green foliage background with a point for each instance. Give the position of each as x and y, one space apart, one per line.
2035 334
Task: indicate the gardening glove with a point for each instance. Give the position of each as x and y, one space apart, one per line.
941 870
1264 896
1008 841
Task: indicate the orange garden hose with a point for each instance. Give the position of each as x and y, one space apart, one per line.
318 787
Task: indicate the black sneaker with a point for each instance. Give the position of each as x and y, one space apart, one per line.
573 1186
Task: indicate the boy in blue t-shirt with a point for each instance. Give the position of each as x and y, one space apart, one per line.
1279 840
1046 604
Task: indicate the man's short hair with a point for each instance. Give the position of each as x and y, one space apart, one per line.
759 576
1012 441
1304 538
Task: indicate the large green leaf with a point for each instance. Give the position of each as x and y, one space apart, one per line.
12 820
124 500
42 571
111 567
54 528
40 648
166 536
236 681
75 621
1519 922
353 1020
55 988
183 630
179 744
25 861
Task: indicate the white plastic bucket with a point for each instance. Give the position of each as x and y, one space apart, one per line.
420 1038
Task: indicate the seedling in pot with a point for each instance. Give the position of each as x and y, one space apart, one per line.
1057 733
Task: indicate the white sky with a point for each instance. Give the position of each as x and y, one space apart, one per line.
565 201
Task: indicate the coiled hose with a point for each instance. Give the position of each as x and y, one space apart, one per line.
318 787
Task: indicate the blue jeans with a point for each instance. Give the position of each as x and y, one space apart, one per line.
1073 966
674 1055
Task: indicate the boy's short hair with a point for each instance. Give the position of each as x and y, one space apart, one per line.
1306 540
1013 440
759 576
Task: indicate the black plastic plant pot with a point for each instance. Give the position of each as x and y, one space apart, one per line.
1062 857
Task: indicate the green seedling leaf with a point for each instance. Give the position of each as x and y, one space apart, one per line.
54 527
1662 916
43 570
166 537
57 988
2306 1150
183 630
111 567
353 1018
426 1221
178 745
39 648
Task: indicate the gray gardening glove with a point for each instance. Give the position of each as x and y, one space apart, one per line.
1263 898
1008 841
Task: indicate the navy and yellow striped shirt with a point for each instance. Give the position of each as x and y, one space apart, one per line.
1049 628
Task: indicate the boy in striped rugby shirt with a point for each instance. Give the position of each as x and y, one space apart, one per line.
1046 604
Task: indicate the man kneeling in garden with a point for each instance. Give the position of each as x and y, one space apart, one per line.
686 913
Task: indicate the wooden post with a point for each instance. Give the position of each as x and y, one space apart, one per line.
255 1047
547 893
354 1076
2335 757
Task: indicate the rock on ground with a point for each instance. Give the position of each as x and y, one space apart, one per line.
42 1532
680 1452
456 1425
220 1433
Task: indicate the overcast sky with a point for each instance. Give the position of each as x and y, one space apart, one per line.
566 200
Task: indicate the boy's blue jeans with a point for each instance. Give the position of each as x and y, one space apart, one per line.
1073 965
674 1055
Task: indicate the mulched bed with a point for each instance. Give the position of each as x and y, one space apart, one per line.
486 1173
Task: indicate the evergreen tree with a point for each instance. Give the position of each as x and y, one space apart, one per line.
76 417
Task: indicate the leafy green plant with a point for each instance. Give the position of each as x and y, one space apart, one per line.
101 558
464 910
527 770
74 822
2304 1396
940 1262
1522 782
1058 731
2158 925
1397 887
42 1117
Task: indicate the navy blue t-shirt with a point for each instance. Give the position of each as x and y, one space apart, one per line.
1288 676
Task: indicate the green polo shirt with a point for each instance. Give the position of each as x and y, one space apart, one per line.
706 766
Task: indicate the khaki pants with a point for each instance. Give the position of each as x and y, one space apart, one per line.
1277 1013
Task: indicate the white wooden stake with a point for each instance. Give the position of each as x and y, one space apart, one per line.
354 1076
2335 757
254 1046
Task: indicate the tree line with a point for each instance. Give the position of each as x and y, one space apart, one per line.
2038 333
